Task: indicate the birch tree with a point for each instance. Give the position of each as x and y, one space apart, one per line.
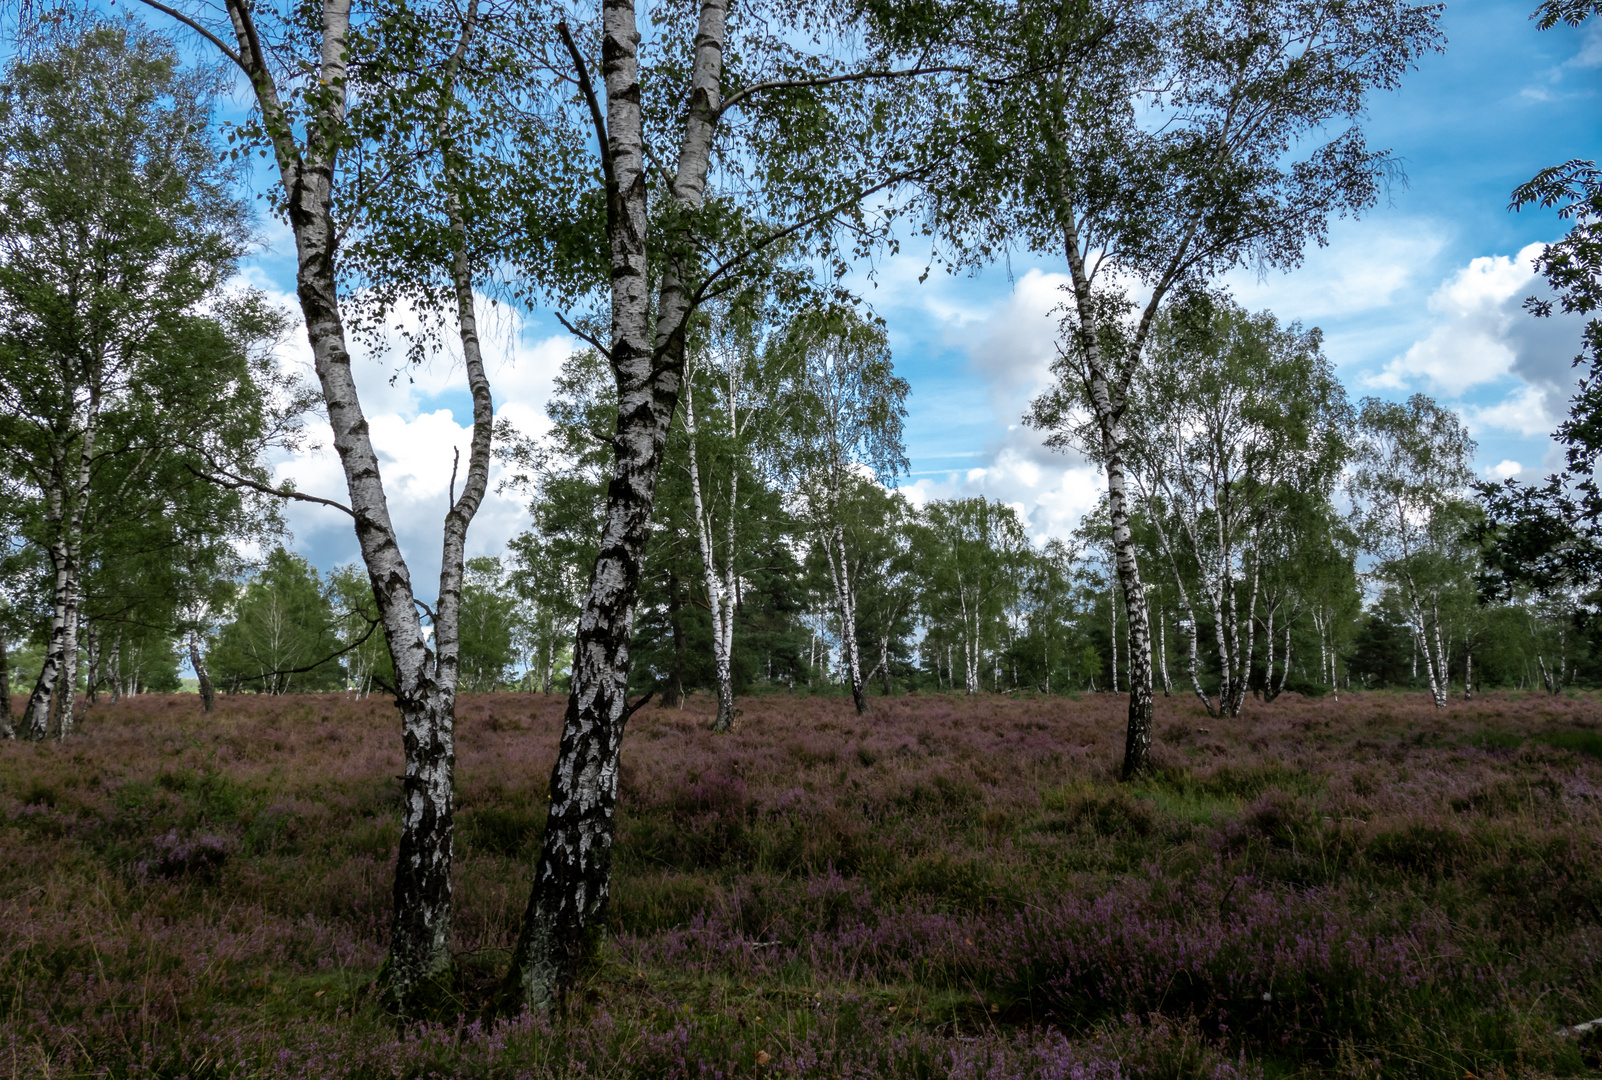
726 442
1155 146
365 657
843 407
381 190
752 97
1232 421
282 637
117 221
972 554
889 577
1412 463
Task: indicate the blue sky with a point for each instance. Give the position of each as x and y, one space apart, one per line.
1422 293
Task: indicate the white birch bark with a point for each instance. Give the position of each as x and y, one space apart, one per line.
572 878
36 714
719 581
1108 413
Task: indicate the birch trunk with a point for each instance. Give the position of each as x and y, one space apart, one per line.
1268 663
93 662
1220 595
208 694
114 668
1285 671
1137 741
1112 640
1162 652
36 715
1420 637
1441 656
719 588
7 731
1243 659
846 605
1108 415
1192 658
567 903
419 951
68 693
425 683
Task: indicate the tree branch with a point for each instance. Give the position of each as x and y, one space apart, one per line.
372 624
229 480
790 230
589 96
829 80
630 710
222 46
576 332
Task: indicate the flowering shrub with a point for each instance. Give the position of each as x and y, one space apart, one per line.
946 887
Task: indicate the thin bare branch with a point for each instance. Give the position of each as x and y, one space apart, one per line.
222 478
831 80
221 45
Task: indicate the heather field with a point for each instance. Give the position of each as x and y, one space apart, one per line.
946 887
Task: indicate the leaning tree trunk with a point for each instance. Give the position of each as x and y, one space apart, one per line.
420 936
567 903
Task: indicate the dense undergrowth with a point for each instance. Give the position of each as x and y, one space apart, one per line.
945 887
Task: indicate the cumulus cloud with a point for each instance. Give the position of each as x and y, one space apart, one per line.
1481 345
1524 411
1363 268
1474 312
1010 347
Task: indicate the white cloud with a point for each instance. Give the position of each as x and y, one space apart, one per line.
1363 268
1472 341
1503 469
1011 347
418 416
1526 411
1590 54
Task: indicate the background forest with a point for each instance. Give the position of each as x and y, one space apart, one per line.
1289 536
